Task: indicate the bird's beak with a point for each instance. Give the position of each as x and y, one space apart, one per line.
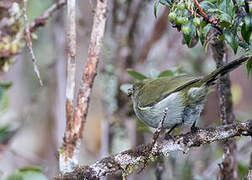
130 91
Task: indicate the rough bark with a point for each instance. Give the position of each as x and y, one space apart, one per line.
228 167
74 127
128 161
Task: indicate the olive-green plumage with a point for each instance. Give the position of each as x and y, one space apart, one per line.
183 95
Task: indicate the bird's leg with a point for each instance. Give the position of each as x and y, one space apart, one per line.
194 128
167 135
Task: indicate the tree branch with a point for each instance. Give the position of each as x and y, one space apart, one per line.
70 81
71 61
228 168
74 128
128 161
202 13
156 34
29 44
41 20
211 20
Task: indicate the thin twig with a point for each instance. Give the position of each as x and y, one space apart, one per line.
90 69
213 21
41 20
131 160
74 129
159 129
71 61
203 14
29 43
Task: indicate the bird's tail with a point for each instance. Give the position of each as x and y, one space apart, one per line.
209 79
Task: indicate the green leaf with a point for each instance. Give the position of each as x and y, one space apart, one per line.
231 39
155 8
249 66
212 1
166 73
225 20
246 29
248 23
217 11
4 133
179 70
4 100
31 175
16 176
4 130
205 5
166 2
136 75
226 6
245 34
206 45
3 95
188 36
240 2
5 85
28 173
243 44
30 168
143 127
242 170
203 32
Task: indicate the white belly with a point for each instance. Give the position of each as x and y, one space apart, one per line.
153 115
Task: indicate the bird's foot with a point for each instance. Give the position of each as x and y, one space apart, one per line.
168 134
194 128
168 137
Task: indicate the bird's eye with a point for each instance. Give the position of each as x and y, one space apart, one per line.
130 91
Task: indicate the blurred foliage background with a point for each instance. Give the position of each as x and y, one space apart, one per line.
32 118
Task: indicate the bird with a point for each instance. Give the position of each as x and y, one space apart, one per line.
182 97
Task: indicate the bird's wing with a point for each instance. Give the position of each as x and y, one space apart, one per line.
157 89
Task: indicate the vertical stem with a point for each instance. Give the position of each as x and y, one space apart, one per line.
76 117
69 161
71 60
90 70
228 167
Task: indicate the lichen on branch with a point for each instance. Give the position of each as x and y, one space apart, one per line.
131 160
